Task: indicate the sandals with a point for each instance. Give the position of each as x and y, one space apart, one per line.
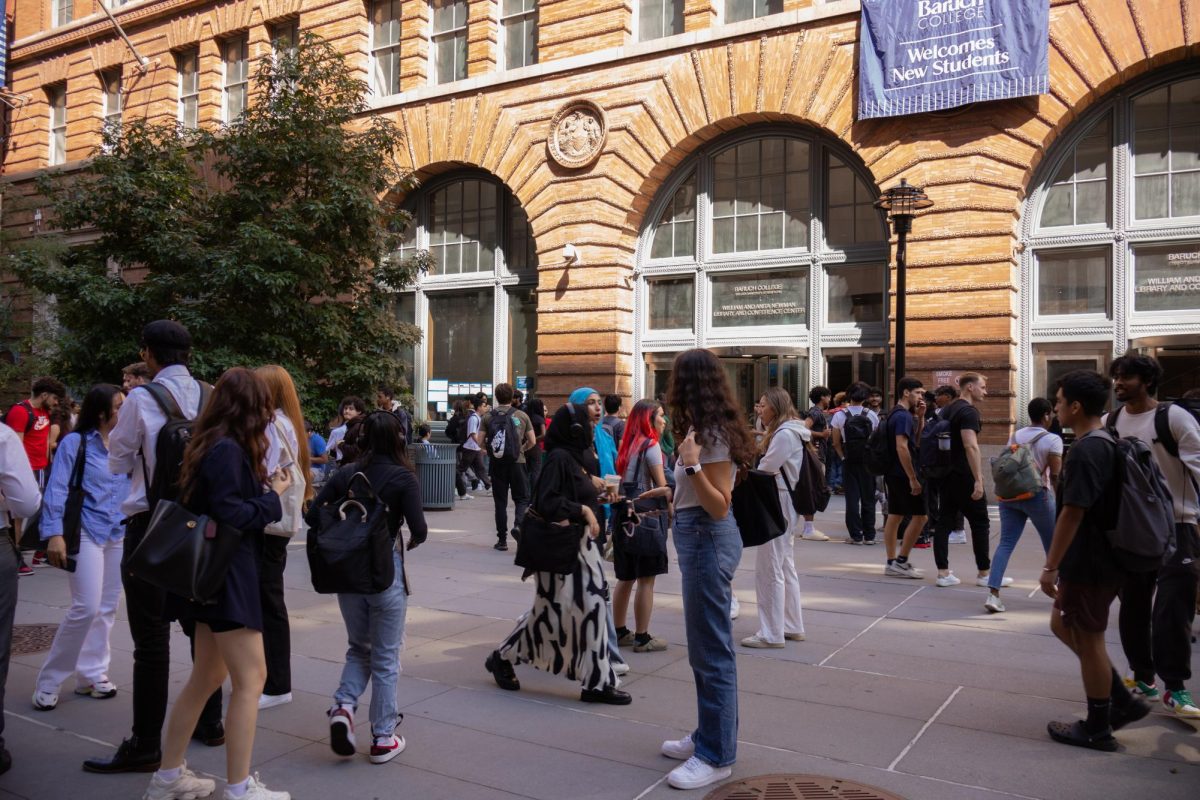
1073 733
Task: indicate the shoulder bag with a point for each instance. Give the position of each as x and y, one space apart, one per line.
546 546
31 535
641 528
292 500
186 554
757 509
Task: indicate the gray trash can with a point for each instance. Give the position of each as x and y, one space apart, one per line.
436 472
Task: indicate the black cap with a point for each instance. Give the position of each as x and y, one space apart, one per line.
165 334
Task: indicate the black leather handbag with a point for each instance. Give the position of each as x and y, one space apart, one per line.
548 546
641 524
186 554
757 509
31 533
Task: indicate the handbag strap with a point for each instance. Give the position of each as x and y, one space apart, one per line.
80 464
284 444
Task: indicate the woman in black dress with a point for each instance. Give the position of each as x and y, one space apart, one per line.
225 476
566 631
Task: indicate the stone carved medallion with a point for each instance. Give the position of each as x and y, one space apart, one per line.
577 134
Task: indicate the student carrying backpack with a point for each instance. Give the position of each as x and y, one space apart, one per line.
172 441
1016 473
28 410
504 442
856 434
935 455
1143 533
880 452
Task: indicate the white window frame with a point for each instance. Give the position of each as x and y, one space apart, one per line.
231 83
528 16
723 7
450 34
62 12
188 96
664 7
56 104
114 101
390 50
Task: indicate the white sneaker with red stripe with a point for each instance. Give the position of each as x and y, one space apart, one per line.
385 748
341 730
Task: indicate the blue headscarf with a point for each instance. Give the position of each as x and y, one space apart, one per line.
606 447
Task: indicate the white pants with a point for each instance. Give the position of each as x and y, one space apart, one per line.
778 586
81 644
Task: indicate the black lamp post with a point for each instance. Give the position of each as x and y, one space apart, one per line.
902 202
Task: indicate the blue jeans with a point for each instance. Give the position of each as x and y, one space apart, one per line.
709 551
375 629
1039 510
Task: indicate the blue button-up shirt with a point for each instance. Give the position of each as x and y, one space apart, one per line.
103 492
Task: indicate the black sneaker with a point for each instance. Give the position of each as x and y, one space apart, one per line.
610 696
210 735
500 545
502 671
131 756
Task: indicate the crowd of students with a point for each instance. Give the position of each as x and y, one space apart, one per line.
620 483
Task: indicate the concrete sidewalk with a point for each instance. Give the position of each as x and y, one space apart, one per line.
900 685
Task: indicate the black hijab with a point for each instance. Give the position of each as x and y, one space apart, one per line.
571 430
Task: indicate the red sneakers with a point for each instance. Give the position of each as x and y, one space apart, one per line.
385 748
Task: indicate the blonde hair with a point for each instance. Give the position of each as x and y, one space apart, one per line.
967 378
781 403
285 398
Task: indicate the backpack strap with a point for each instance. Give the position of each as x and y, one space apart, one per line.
166 401
1162 429
31 417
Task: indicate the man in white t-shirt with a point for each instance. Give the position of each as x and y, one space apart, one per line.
1157 608
472 449
1047 451
852 428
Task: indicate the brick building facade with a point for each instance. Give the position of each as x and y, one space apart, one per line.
702 162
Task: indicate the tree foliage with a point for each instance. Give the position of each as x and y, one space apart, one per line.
268 238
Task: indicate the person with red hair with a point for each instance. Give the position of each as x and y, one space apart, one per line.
640 462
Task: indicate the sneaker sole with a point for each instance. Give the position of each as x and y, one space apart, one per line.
388 756
274 702
39 707
716 777
339 739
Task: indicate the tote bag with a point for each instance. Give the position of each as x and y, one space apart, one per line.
757 509
186 554
292 501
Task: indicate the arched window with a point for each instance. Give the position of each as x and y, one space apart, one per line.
477 305
767 248
1111 235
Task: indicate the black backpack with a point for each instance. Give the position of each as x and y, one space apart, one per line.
349 547
28 408
454 428
935 456
811 493
172 442
503 440
1143 533
879 449
856 434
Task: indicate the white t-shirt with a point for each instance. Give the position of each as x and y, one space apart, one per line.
1049 445
472 429
839 419
1179 472
715 450
653 457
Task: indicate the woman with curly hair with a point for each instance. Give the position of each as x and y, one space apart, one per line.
714 442
225 477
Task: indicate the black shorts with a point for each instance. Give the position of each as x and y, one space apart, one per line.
901 501
1085 605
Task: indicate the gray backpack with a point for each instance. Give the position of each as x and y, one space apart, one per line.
1143 536
1015 471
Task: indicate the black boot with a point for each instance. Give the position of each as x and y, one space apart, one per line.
610 695
502 671
210 735
131 756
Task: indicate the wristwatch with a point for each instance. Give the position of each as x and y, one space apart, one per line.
693 470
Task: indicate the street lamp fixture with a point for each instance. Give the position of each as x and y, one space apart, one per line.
902 202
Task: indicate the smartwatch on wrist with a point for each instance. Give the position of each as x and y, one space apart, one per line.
693 470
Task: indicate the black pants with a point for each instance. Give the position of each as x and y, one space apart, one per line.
10 557
859 485
533 466
508 478
472 460
1157 610
954 498
277 632
151 632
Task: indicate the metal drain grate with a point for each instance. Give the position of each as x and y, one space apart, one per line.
798 787
32 638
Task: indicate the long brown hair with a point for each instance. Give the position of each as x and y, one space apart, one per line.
240 407
284 398
699 398
781 403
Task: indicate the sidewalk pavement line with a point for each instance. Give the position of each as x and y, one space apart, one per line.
652 787
912 742
872 625
60 729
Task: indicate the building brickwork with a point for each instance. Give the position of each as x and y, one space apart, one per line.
663 100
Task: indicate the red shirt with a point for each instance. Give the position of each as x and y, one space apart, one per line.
37 437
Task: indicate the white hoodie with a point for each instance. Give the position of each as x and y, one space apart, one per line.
786 453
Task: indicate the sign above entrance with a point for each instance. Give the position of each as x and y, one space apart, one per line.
928 55
1167 278
761 298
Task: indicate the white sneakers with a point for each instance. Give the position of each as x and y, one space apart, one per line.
949 579
341 730
758 641
256 791
814 536
983 582
958 537
904 569
993 604
620 667
45 701
101 689
271 700
735 608
186 787
694 774
385 748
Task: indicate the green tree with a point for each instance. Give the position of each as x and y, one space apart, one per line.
268 238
